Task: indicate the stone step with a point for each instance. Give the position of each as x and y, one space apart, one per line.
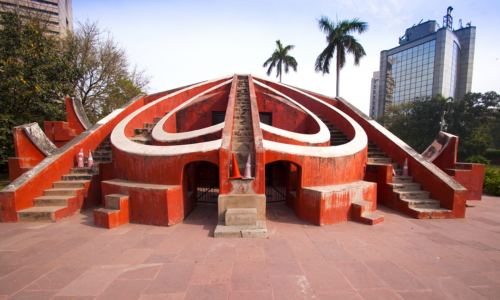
52 201
99 159
157 119
101 154
338 143
406 186
61 192
242 139
106 210
243 132
149 125
371 145
141 140
82 171
241 217
372 218
39 213
373 150
402 179
77 177
335 140
241 147
386 160
422 203
142 131
412 194
103 148
70 184
377 155
335 130
434 213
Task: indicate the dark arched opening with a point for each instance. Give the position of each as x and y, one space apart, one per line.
207 182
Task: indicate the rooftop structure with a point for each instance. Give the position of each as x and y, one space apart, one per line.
430 60
57 13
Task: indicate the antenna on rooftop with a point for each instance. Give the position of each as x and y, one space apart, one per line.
448 19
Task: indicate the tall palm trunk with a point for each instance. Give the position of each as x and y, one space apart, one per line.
281 71
338 71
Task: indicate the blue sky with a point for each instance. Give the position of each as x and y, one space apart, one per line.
182 42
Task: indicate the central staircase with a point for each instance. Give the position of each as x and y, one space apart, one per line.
337 137
242 137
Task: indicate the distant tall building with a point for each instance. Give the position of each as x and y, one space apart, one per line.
430 60
58 13
374 91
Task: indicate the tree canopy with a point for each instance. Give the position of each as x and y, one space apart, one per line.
106 81
340 40
280 58
35 74
474 120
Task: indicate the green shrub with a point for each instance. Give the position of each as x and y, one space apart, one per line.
491 183
477 159
491 154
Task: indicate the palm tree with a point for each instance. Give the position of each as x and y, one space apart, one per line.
279 58
339 39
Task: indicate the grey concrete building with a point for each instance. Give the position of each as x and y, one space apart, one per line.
429 60
58 13
374 92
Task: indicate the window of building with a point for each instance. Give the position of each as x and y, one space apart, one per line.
454 70
410 74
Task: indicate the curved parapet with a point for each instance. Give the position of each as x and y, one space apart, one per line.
438 146
80 114
38 138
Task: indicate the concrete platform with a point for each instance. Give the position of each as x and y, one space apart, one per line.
243 231
401 258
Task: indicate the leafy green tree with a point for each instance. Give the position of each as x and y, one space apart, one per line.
418 122
340 40
105 67
279 58
35 74
120 93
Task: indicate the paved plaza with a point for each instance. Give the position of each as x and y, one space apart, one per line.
401 258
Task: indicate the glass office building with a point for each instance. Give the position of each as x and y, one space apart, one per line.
429 60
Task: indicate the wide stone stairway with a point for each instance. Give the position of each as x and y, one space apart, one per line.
408 195
67 196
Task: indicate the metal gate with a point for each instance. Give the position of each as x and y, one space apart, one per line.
275 182
207 182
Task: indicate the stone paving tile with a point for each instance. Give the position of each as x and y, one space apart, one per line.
338 296
93 282
124 290
451 289
21 278
172 278
291 287
142 271
420 295
248 276
325 277
402 258
250 295
213 291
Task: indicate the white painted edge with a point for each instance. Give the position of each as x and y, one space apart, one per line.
357 144
320 137
122 143
162 136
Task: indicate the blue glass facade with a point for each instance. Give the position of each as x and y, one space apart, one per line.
410 74
454 67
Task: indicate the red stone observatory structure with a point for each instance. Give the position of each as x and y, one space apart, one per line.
160 155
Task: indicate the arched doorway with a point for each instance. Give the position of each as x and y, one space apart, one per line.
207 182
276 174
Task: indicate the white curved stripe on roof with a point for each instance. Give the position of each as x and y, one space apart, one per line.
122 143
357 144
321 137
161 135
